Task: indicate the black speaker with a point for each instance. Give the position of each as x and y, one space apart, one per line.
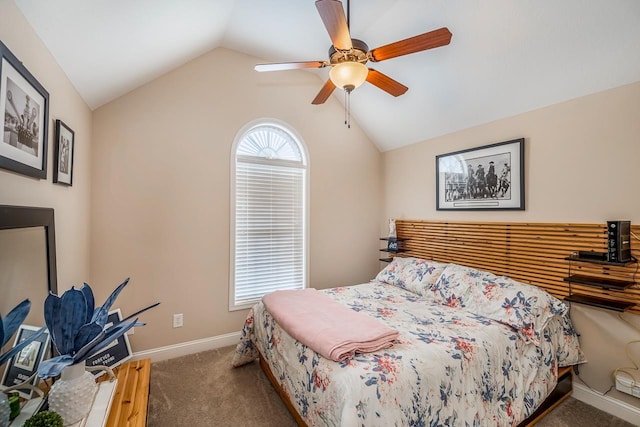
619 245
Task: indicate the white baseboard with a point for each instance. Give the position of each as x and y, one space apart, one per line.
616 407
185 348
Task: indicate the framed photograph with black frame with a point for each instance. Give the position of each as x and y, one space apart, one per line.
65 143
25 364
25 104
490 177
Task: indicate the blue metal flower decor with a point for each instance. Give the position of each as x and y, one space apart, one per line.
10 324
77 327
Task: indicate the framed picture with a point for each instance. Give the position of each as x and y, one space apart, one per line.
65 142
24 364
484 178
25 105
115 353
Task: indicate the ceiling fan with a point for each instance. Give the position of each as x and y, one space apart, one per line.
347 56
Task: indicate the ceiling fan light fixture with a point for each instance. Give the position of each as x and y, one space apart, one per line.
348 75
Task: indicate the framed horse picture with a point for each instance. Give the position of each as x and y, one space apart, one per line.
490 177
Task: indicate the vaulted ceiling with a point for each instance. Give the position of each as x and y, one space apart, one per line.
506 56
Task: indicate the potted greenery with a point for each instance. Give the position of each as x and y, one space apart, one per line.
44 419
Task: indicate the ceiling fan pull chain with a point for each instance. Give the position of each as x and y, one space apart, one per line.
349 110
345 107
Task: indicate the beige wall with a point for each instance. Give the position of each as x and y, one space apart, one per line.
581 165
71 204
160 193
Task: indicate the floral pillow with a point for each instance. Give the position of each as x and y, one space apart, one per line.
413 274
526 308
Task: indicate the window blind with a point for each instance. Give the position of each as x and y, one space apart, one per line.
269 229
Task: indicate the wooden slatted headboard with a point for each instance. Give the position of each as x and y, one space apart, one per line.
528 252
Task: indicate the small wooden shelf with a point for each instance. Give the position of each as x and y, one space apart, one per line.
600 282
394 246
599 302
393 252
596 261
604 283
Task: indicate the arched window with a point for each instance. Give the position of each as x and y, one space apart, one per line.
268 210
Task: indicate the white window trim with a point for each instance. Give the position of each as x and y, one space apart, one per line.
232 203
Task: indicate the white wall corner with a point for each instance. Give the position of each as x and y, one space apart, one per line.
616 407
186 348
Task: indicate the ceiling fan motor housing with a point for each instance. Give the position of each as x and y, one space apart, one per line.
357 54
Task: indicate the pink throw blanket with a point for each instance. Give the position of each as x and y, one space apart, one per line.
325 325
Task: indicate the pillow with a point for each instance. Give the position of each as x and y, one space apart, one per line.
526 308
413 274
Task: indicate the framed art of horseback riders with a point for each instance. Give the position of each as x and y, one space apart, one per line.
490 177
25 104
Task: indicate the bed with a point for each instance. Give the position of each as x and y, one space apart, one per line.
474 349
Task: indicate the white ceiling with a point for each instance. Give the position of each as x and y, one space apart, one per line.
506 56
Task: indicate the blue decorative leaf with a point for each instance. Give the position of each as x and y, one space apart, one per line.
102 313
114 333
110 334
87 349
53 306
72 314
90 301
13 320
86 334
140 311
53 367
15 350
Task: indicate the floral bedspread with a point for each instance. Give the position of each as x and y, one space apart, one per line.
448 368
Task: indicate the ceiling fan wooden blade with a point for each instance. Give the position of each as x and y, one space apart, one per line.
332 14
430 40
386 83
290 66
324 93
